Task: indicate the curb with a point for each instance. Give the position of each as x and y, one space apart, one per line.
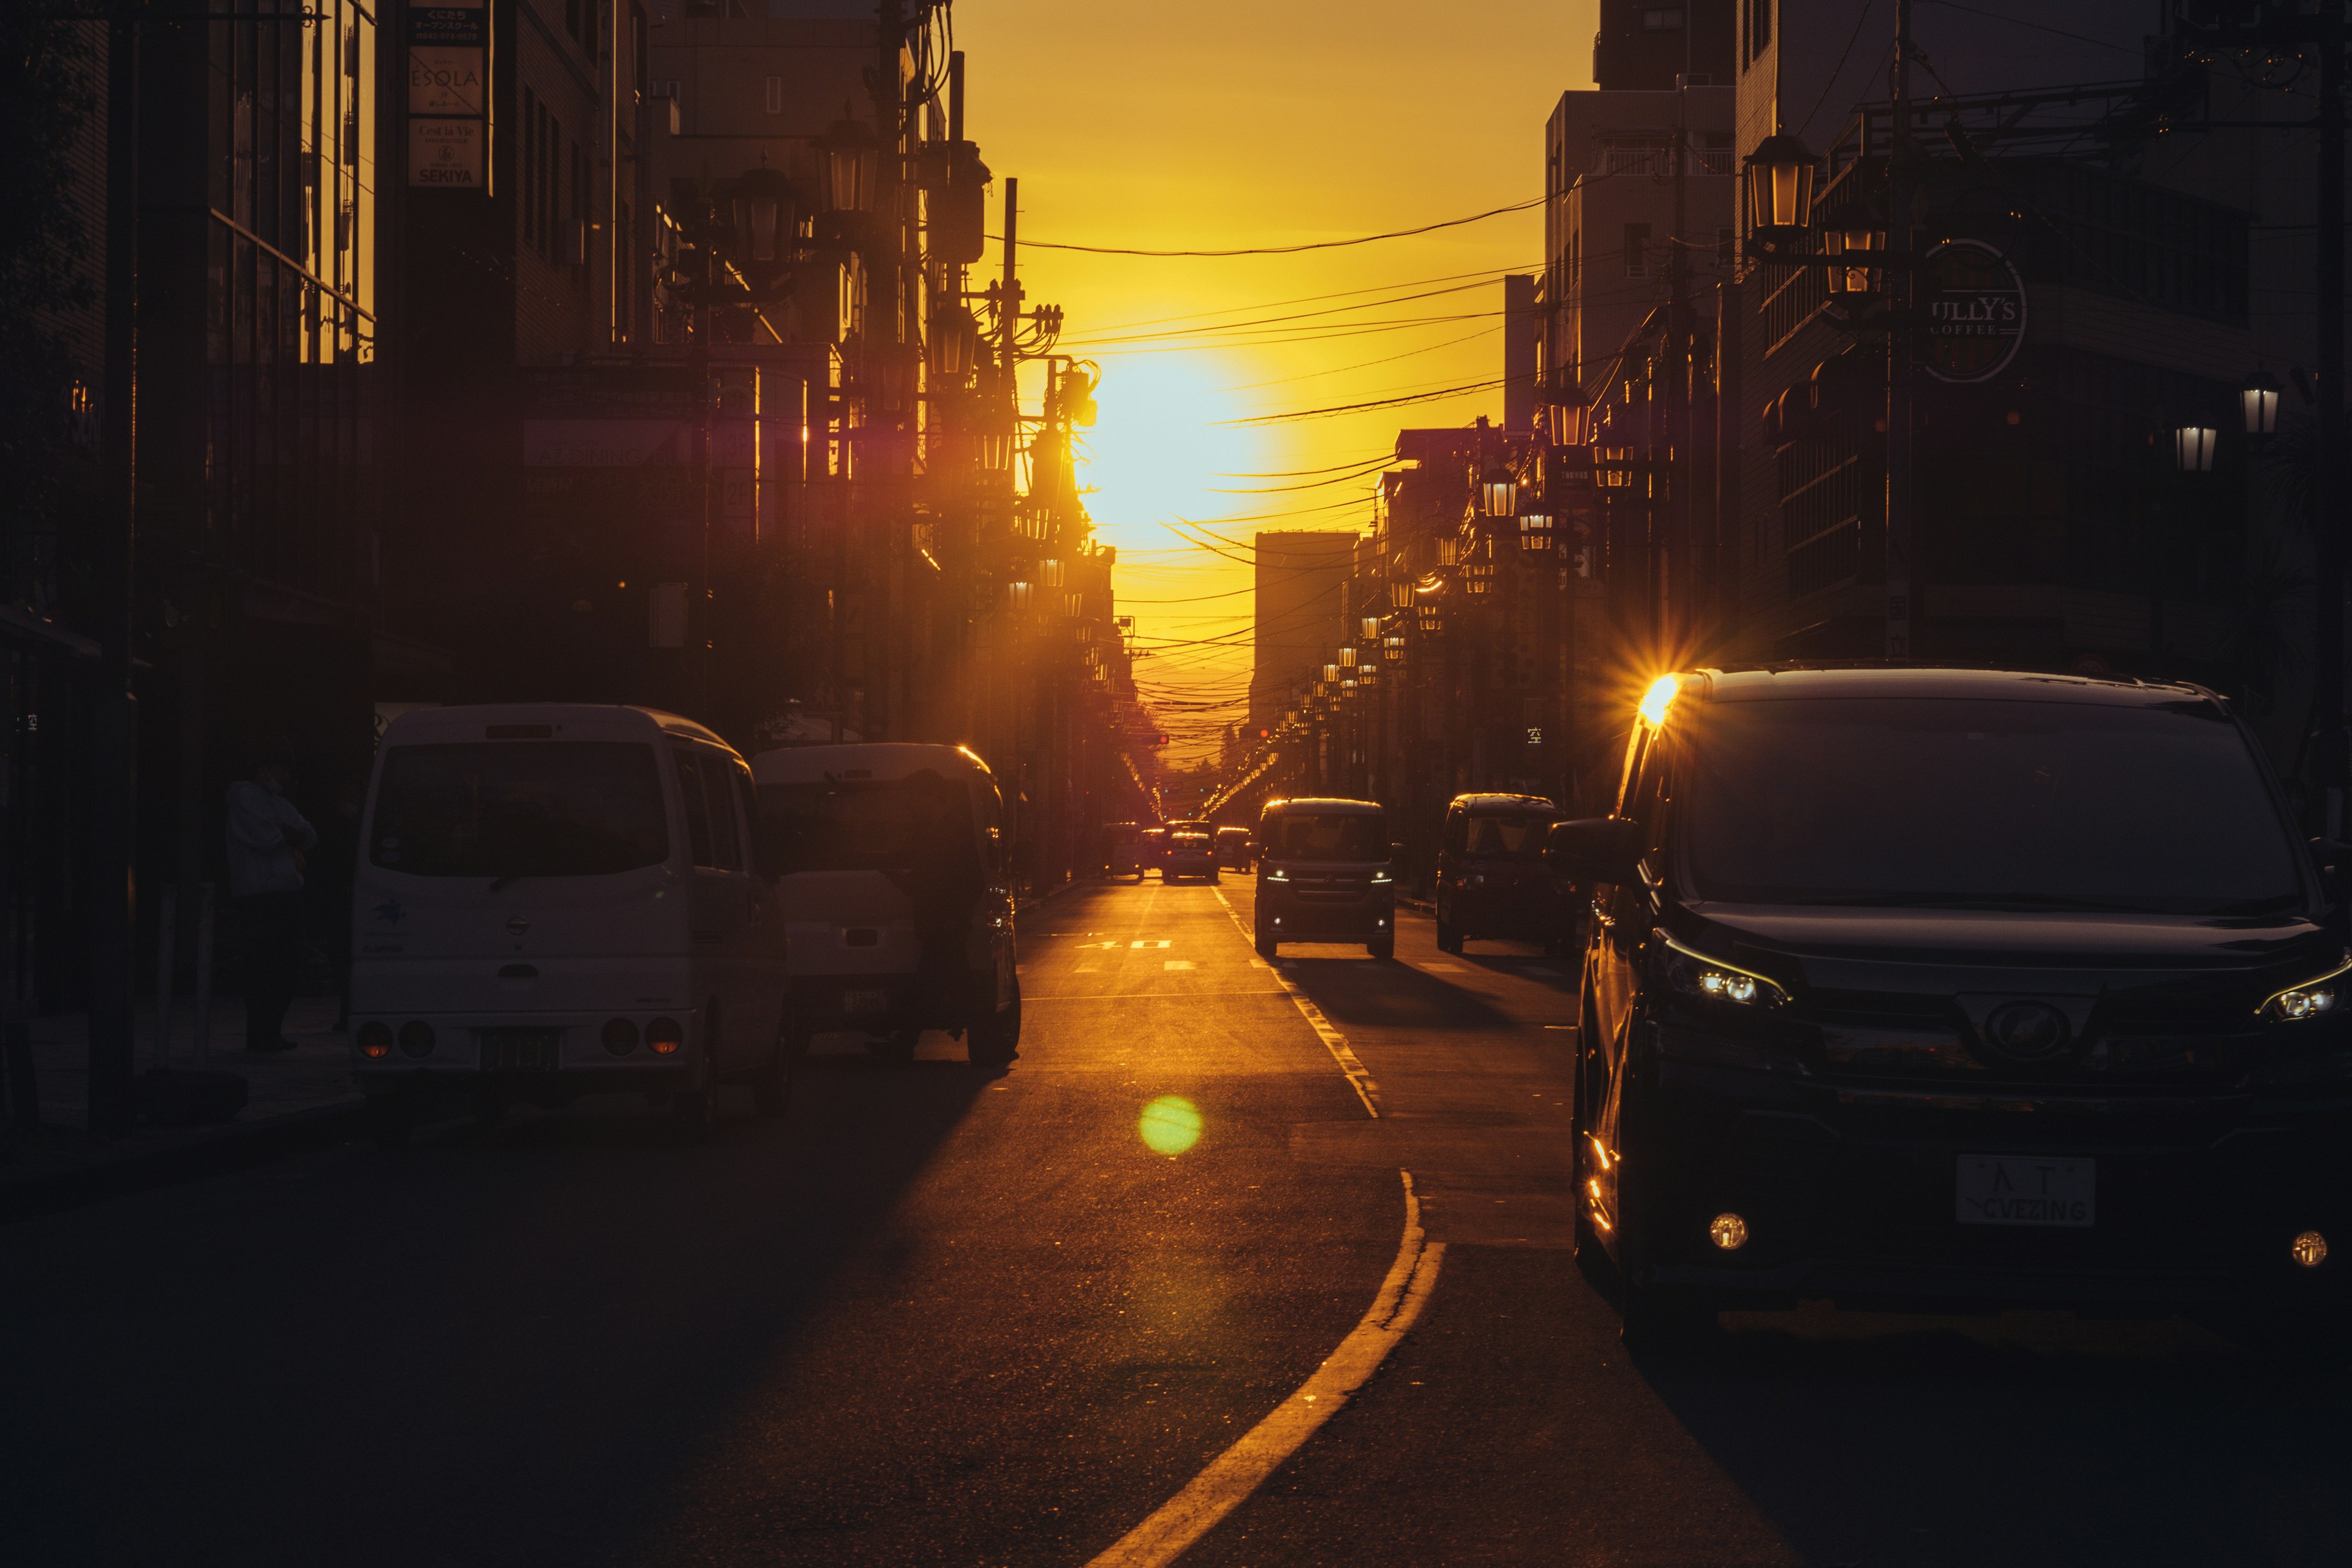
216 1153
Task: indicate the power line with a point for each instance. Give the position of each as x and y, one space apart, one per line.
1290 249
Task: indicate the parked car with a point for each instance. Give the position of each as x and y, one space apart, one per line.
1190 855
1326 872
1126 850
555 899
1491 878
1957 988
892 864
1233 848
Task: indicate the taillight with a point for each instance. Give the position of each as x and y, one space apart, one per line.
620 1037
376 1041
416 1039
664 1037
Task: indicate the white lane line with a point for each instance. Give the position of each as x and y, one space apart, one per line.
1241 1470
1177 963
1359 1079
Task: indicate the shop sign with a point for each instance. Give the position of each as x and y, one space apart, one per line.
1975 312
446 153
445 81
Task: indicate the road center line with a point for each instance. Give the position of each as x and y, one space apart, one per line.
1359 1079
1241 1470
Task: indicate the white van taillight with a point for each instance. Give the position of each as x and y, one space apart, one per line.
664 1037
621 1037
416 1039
376 1041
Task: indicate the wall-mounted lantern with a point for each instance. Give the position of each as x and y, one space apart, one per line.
2259 400
2192 448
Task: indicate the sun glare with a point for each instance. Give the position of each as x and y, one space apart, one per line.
1157 445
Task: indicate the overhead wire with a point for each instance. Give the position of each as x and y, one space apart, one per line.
1286 250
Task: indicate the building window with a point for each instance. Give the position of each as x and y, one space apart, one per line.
637 53
776 95
1662 19
1759 28
529 203
1637 250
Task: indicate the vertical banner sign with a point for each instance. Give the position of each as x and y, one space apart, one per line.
1975 312
449 95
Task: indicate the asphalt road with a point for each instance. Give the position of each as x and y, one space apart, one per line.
943 1316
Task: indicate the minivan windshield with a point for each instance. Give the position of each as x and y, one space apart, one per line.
870 825
1514 836
519 808
1973 804
1334 835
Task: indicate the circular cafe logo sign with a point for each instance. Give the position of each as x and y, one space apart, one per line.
1975 312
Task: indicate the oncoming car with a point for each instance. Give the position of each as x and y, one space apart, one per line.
1127 851
1491 881
555 899
1960 989
1324 874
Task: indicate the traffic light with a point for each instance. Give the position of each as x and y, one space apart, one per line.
1160 739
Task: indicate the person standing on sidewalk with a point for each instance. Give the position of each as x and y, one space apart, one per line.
266 837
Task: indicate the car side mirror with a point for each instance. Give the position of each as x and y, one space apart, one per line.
1596 849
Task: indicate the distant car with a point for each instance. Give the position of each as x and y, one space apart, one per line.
1324 874
1150 851
1126 850
1491 878
1189 855
1233 848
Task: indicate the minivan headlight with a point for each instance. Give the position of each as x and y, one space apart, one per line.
1696 975
1276 874
2313 999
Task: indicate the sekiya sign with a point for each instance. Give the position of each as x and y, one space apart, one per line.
1975 312
448 100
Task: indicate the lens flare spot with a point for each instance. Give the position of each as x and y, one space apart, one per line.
1170 1125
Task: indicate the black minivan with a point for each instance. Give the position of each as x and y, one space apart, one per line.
1326 872
1491 881
1921 987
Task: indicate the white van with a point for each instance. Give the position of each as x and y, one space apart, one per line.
891 867
556 900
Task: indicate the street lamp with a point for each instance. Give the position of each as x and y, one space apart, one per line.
1053 573
955 340
996 450
1400 596
1535 530
1017 594
1347 657
1498 498
1369 628
1845 242
2192 448
1780 187
1330 672
2259 398
852 159
762 204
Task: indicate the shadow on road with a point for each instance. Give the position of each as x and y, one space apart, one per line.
1391 996
2032 1438
505 1344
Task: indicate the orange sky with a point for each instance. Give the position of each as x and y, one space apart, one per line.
1212 124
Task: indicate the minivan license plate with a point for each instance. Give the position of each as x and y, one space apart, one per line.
865 1001
2025 1189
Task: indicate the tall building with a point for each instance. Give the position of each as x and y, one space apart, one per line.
1301 614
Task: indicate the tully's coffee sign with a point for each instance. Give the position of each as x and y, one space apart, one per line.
1975 312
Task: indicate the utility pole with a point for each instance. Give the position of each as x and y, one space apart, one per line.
1678 367
2326 475
1902 297
114 713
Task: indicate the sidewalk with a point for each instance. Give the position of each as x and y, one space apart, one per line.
294 1099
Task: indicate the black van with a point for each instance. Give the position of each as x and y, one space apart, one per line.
1324 874
1491 881
1960 988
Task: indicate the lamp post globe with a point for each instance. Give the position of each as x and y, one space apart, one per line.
1779 177
2259 400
